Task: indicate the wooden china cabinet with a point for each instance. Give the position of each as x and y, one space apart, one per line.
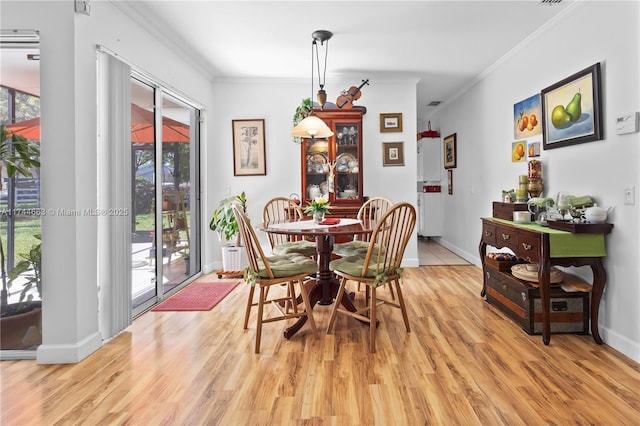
344 149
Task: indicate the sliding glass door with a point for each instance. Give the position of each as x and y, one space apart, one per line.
20 209
165 220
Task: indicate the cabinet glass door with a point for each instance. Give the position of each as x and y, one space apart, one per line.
342 154
317 168
347 182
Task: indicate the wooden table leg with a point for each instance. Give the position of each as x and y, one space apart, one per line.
324 289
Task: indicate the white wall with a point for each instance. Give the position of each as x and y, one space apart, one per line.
276 101
591 32
69 155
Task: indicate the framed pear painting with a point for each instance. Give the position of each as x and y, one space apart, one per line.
571 110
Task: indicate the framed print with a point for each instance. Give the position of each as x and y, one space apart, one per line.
450 153
450 181
249 158
534 149
391 122
571 110
526 117
518 151
393 154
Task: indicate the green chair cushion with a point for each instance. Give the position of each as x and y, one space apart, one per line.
352 265
288 265
351 248
307 248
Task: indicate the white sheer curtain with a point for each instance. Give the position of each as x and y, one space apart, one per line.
114 194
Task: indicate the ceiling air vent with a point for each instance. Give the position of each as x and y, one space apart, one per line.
434 103
550 2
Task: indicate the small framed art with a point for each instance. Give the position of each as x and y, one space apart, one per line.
450 152
249 158
391 122
393 154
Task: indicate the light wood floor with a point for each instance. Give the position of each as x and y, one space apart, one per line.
432 253
464 363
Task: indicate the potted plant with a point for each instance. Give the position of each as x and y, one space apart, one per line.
317 208
224 223
302 111
18 156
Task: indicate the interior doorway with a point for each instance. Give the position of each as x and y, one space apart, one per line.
430 253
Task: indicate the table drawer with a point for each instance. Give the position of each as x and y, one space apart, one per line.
528 247
507 237
489 233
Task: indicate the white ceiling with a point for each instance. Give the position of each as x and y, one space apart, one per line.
444 45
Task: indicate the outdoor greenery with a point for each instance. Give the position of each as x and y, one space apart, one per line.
26 105
25 231
18 156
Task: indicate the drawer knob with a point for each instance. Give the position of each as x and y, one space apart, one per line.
524 296
506 236
527 246
487 233
504 287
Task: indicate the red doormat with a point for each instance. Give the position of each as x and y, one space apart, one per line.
198 296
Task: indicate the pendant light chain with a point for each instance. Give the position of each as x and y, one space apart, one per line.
321 76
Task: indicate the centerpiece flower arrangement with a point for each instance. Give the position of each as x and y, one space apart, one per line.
318 208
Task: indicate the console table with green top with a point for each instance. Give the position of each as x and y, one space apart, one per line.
547 247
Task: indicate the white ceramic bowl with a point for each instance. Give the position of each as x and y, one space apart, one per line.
522 217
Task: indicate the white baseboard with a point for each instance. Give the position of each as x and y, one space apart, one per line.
69 353
621 344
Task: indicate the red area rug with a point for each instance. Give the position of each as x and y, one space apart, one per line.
198 296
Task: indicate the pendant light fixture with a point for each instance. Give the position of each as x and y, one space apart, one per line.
313 127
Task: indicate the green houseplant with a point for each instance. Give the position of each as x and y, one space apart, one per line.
223 221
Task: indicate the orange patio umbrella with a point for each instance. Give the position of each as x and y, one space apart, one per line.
141 128
30 129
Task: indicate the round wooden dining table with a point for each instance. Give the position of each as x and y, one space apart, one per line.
324 289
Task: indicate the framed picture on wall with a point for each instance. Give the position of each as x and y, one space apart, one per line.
571 110
526 117
450 152
391 122
249 157
450 181
393 154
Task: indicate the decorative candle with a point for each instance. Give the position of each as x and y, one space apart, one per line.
523 179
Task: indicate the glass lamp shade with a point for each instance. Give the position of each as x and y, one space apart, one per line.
312 127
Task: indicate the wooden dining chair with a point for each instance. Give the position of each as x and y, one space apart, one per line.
373 209
266 271
378 267
282 209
